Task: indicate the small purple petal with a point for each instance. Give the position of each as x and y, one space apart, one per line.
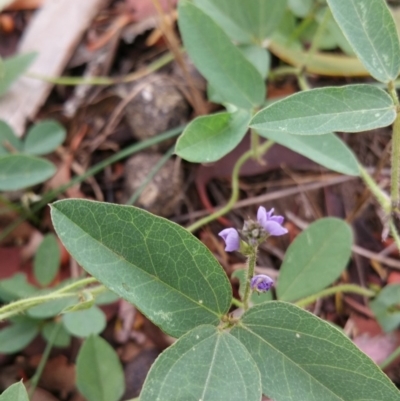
231 238
262 215
278 219
274 228
271 224
261 283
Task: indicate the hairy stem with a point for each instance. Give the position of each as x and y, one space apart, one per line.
21 305
251 265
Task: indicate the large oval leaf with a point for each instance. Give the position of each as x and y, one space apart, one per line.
352 108
371 31
208 138
222 63
301 357
155 264
251 21
99 372
205 364
21 171
315 259
327 150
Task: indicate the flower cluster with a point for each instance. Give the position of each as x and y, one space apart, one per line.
254 232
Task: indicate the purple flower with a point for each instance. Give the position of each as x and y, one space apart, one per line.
261 283
271 224
231 238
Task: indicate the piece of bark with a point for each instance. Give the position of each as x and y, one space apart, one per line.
54 33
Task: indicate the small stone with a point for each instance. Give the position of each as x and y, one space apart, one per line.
162 194
157 107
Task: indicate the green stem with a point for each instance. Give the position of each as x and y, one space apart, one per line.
77 284
251 265
395 234
135 196
72 81
235 188
352 288
394 355
379 194
48 197
237 303
43 360
255 145
21 305
395 163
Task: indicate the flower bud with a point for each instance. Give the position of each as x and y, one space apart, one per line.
261 283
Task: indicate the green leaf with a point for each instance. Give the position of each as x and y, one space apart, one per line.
16 392
371 31
84 323
62 339
327 150
44 137
16 287
18 335
250 22
300 8
106 297
208 138
13 68
7 137
51 308
301 357
386 307
351 108
259 57
221 62
315 259
99 372
47 260
205 364
256 297
21 171
149 261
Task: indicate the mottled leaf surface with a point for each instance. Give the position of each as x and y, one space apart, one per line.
205 364
370 29
301 357
351 108
155 264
